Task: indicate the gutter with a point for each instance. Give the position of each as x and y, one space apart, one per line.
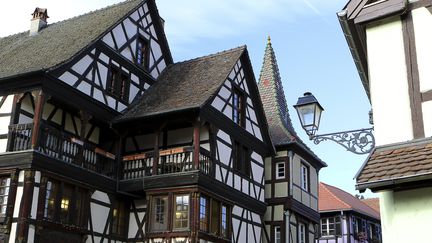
393 182
347 30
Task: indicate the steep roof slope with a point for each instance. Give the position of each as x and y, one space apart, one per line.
185 85
275 105
58 42
334 199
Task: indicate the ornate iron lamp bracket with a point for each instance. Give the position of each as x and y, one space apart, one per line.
360 141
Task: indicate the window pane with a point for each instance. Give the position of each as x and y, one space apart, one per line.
50 199
181 214
224 222
4 194
65 204
159 217
118 218
203 214
215 217
277 234
280 170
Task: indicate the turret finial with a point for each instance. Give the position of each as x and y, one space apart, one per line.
268 39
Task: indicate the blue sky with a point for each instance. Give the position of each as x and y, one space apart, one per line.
310 48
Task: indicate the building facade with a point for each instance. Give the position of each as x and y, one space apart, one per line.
389 41
291 176
345 218
105 139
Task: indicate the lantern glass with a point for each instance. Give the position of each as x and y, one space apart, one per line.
309 112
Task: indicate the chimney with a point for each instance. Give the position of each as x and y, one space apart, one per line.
39 20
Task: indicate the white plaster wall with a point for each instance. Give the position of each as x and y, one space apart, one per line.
406 215
427 117
281 189
422 20
388 82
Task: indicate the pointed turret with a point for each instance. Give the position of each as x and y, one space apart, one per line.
273 99
275 105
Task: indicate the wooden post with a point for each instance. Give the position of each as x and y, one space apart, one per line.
156 152
196 144
25 207
40 100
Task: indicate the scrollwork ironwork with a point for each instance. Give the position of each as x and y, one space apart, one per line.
360 141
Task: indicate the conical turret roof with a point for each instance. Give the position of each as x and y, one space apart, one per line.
275 105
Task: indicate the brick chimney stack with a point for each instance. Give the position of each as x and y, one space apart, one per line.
39 20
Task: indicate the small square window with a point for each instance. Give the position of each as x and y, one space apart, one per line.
280 170
181 212
238 107
277 234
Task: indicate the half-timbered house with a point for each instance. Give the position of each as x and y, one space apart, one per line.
291 176
390 44
346 218
105 139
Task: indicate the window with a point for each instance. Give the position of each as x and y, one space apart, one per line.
181 214
302 233
52 189
304 172
4 195
238 107
224 222
277 234
280 170
118 84
142 53
242 159
330 226
203 218
216 219
65 203
118 218
160 211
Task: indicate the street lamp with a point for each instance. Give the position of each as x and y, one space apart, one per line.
309 110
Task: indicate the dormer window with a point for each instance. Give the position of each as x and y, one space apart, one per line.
118 84
142 53
238 107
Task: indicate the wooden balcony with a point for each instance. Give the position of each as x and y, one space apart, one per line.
169 161
63 147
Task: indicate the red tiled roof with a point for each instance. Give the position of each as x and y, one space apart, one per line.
373 203
397 161
334 199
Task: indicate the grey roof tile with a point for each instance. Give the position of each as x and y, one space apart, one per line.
58 42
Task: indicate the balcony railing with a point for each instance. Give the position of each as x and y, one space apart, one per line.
169 161
64 147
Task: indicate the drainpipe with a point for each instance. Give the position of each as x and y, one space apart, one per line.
287 226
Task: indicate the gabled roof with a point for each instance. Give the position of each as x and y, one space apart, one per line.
396 163
275 105
333 199
58 42
185 85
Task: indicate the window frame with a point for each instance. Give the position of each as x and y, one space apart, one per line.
118 218
204 221
304 177
238 106
242 159
70 211
277 234
188 212
118 84
277 170
142 55
337 224
8 194
216 227
166 210
302 234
